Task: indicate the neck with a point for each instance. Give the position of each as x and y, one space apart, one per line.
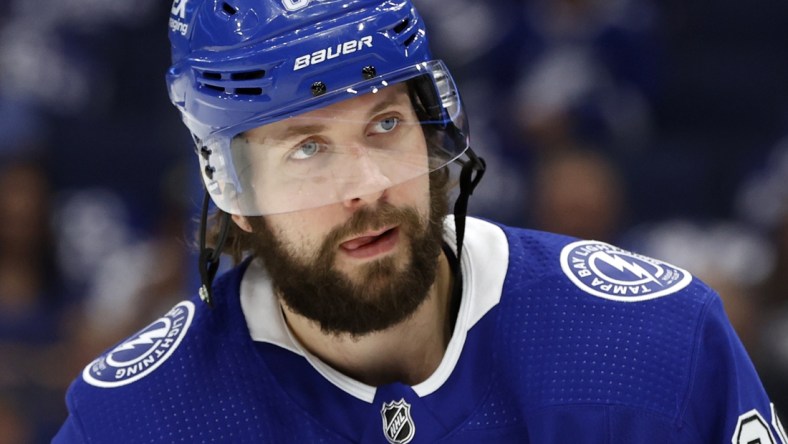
408 352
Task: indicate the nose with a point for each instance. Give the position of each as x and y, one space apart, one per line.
366 184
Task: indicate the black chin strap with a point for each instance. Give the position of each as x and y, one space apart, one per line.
209 257
471 174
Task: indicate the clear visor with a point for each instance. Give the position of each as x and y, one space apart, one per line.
348 149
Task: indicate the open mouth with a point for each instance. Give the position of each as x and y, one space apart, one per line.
372 244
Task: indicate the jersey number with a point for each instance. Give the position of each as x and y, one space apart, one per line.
753 429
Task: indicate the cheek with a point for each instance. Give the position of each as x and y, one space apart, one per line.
303 231
414 193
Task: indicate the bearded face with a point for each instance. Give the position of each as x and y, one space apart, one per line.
358 297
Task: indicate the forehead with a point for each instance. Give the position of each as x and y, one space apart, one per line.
358 108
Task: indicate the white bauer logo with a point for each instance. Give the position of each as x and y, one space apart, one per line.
142 353
612 273
332 52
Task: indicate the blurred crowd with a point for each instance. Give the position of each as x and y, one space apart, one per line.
660 126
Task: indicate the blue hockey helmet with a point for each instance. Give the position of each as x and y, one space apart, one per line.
239 65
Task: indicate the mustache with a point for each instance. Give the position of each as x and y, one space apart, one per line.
368 219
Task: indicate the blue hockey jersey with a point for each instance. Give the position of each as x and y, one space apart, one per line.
557 340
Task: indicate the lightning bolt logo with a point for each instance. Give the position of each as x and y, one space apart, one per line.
149 339
142 353
621 265
146 338
611 273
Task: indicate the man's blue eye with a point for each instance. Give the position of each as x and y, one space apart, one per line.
306 150
386 125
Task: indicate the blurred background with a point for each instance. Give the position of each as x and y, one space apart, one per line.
661 126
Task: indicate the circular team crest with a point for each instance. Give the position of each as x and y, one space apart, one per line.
612 273
142 353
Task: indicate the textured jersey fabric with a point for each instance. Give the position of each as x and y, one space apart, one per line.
556 341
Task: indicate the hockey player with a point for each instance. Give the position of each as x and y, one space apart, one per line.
360 311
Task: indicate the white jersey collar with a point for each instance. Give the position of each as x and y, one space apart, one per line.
485 259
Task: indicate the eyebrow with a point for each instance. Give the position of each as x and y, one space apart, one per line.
303 130
392 100
314 128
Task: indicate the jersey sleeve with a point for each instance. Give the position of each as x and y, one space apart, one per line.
71 430
68 433
727 402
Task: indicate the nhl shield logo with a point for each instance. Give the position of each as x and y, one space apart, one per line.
397 423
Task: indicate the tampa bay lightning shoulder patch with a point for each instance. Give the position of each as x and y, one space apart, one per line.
143 352
609 272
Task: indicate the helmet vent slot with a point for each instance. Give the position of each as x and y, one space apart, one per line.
401 26
229 9
232 82
410 39
213 87
249 91
248 75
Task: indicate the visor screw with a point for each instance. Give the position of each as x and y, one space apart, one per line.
205 152
318 88
209 170
369 72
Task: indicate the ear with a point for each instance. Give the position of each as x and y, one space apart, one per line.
242 222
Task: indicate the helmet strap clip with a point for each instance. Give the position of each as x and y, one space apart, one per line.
470 175
208 263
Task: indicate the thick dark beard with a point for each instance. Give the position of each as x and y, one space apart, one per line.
381 295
